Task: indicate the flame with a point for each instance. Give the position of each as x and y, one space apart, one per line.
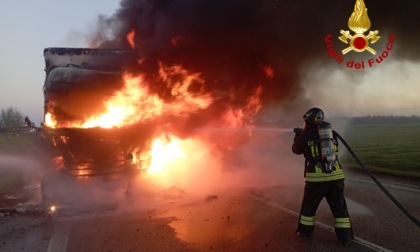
130 38
64 139
52 209
254 103
164 155
165 150
135 102
237 118
130 105
187 101
269 71
359 21
49 120
174 161
59 162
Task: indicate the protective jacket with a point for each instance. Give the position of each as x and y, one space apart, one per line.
307 143
321 182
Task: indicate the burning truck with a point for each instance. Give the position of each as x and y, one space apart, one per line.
104 116
77 81
181 91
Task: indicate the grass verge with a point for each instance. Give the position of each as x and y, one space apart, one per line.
390 148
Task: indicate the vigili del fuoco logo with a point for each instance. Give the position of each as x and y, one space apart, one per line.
359 23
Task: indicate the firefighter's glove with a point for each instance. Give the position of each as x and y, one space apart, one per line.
297 131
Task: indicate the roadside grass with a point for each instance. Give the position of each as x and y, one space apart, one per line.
391 148
17 144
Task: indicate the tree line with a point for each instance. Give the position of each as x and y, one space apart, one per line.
12 121
385 119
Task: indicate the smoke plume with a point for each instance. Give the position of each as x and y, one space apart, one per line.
234 42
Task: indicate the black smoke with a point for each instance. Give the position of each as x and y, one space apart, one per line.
232 41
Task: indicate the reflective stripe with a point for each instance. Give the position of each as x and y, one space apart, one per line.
337 166
316 174
307 221
319 176
342 222
315 151
318 170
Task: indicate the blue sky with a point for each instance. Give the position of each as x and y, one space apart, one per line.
27 27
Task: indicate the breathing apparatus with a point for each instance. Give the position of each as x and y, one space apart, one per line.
326 142
314 119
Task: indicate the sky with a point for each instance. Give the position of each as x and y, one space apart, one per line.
389 88
27 27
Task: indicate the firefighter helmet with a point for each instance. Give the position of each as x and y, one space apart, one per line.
313 117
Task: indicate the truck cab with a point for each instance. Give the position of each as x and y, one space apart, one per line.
77 82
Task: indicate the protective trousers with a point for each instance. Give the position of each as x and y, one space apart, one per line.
333 191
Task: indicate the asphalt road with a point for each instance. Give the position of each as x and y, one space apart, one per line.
241 219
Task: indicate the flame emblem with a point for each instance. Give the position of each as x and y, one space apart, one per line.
359 23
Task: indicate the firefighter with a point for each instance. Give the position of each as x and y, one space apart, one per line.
323 176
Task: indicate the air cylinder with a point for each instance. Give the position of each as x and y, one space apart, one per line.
326 142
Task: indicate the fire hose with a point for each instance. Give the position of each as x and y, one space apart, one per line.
394 200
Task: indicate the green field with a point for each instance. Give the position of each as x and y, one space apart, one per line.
391 146
17 144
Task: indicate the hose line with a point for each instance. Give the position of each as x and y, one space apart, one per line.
398 204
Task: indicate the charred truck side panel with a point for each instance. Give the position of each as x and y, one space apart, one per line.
78 81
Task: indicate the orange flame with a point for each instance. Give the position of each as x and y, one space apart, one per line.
130 38
166 155
237 118
269 71
135 102
130 105
49 120
165 150
180 89
175 161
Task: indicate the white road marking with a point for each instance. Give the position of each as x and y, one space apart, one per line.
58 242
400 186
320 224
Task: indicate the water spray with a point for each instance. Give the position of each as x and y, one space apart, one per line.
251 129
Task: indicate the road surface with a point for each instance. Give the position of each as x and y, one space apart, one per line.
240 219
